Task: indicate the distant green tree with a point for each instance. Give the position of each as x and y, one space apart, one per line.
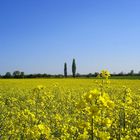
121 74
65 69
8 75
22 74
131 72
95 74
89 75
73 68
16 74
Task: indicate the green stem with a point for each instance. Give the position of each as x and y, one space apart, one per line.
92 129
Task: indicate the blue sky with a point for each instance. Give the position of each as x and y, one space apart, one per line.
38 36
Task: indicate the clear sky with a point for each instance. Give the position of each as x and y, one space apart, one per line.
38 36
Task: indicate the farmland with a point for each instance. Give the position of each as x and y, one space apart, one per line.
69 109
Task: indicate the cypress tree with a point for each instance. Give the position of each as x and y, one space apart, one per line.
73 68
65 69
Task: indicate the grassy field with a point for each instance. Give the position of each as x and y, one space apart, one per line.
69 109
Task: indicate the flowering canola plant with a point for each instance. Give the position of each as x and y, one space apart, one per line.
70 112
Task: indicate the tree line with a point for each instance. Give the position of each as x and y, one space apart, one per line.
18 74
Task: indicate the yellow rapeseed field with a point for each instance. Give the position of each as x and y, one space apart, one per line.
70 109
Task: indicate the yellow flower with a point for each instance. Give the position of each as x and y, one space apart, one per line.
104 135
94 93
40 87
103 101
107 122
110 104
105 74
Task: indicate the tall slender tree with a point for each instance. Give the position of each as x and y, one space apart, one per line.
73 68
65 69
